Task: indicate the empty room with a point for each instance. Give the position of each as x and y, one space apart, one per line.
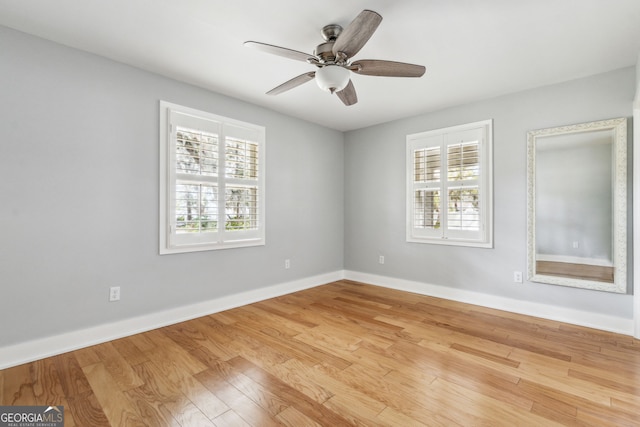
367 213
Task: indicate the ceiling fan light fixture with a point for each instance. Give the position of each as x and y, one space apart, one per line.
332 78
333 59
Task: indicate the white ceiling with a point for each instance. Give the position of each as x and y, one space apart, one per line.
472 49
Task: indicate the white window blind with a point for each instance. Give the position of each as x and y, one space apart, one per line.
212 181
449 185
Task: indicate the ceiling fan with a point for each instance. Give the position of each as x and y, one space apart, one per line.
333 59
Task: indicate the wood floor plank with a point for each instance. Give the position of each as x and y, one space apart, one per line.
289 374
533 344
342 354
72 379
260 395
485 355
18 386
338 387
214 340
46 383
391 417
186 335
618 386
387 390
47 388
309 404
230 419
253 317
246 342
118 367
129 351
188 414
142 342
116 407
567 405
86 356
242 405
371 330
352 409
150 407
291 417
207 402
86 410
493 411
176 394
171 355
291 320
631 407
556 376
479 378
326 340
596 417
161 398
291 348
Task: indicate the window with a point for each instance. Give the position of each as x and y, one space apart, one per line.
449 185
211 181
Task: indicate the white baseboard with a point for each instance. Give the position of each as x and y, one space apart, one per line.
18 354
29 351
616 324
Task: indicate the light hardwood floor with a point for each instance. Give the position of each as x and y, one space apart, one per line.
344 354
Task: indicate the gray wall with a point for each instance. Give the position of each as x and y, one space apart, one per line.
375 193
79 188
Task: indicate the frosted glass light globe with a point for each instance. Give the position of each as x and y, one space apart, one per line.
332 78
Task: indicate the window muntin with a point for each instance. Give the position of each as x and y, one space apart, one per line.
212 181
449 186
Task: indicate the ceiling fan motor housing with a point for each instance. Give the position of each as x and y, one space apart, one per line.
325 52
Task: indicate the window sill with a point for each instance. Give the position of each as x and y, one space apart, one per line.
452 242
211 246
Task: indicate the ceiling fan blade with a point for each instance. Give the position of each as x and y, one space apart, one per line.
294 82
348 95
280 51
374 67
357 33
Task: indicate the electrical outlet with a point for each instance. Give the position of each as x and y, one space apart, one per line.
517 276
381 259
114 293
287 264
576 245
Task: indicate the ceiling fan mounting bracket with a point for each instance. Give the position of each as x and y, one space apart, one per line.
331 32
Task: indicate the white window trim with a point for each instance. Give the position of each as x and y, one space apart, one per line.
485 182
223 239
